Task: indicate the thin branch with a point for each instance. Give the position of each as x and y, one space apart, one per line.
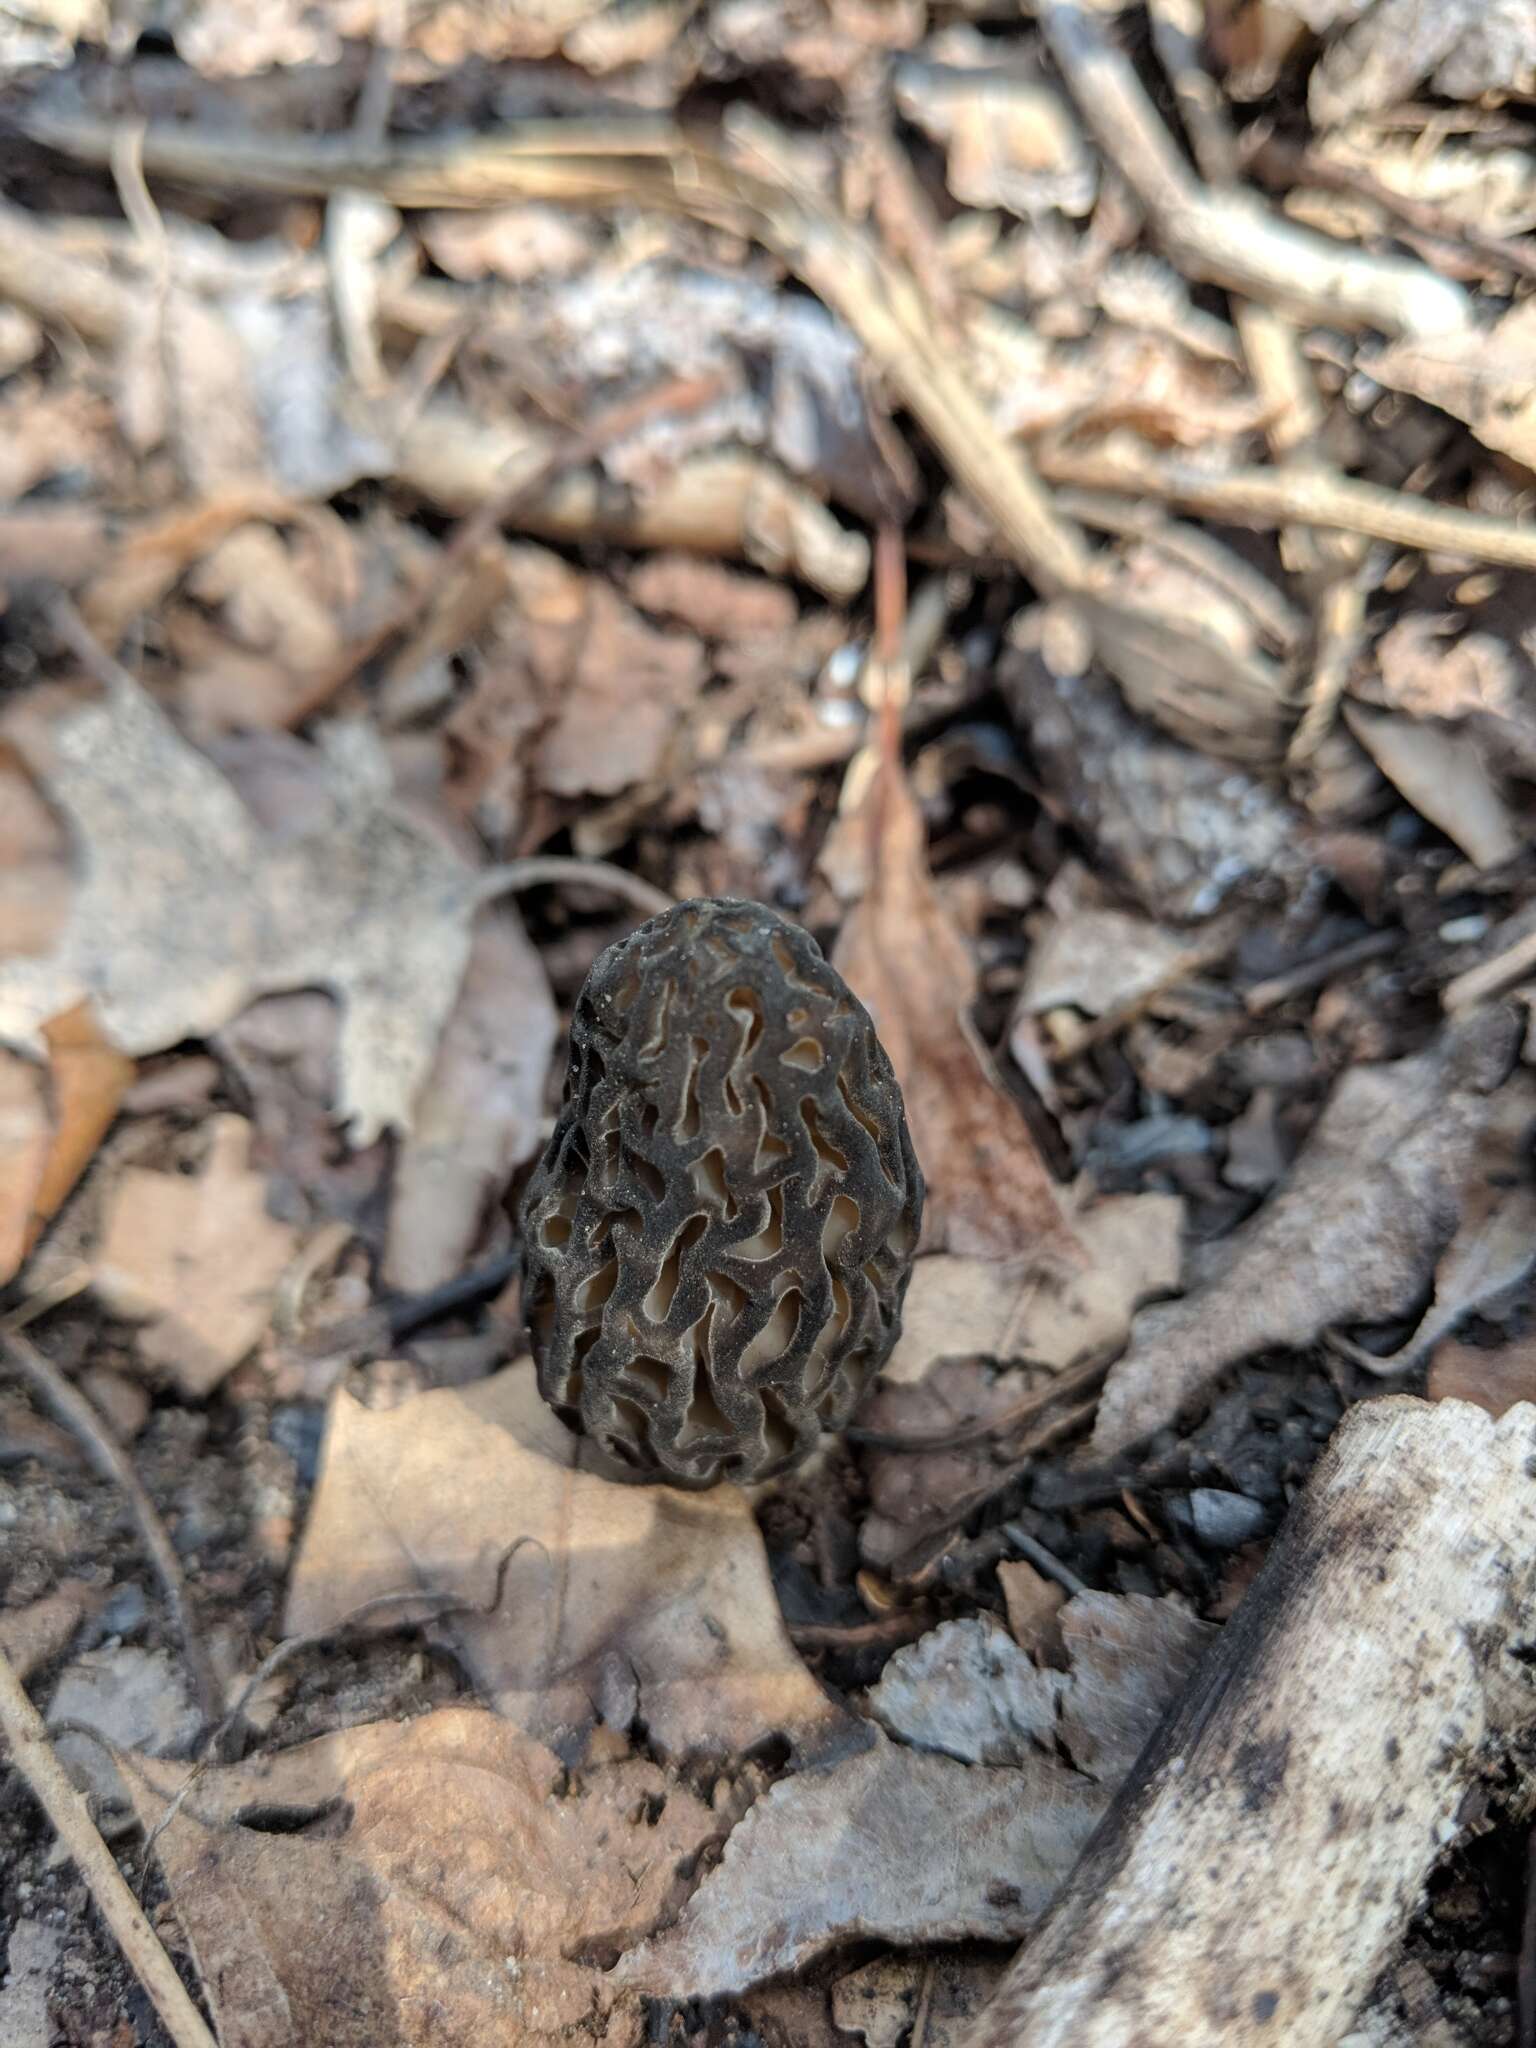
1291 492
652 163
33 1756
539 870
1229 237
69 1407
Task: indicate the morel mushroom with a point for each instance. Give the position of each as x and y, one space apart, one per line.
718 1237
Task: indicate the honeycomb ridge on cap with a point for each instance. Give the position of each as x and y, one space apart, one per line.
718 1236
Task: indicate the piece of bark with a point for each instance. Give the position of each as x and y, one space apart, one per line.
1275 1835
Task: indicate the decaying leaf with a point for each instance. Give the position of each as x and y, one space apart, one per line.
1446 778
429 1883
479 1113
963 1314
1351 1237
1099 960
989 1193
967 1690
618 692
51 1122
195 1259
1430 668
1482 376
1010 1309
906 1845
184 911
1010 139
852 1853
620 1602
1494 1247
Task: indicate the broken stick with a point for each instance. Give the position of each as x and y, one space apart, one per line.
1271 1842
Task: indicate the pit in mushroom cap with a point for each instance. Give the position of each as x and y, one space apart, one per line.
719 1234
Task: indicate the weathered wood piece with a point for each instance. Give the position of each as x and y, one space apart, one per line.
1275 1836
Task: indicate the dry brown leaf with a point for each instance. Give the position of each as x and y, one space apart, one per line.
51 1123
184 911
1494 1248
623 1602
34 864
1483 376
1465 48
480 1113
881 2002
148 559
26 1139
893 1845
715 602
1446 777
1351 1237
33 1635
1033 1604
195 1258
904 1845
1010 139
462 1891
960 1314
1010 1309
989 1192
619 693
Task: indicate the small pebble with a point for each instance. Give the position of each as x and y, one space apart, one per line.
1224 1521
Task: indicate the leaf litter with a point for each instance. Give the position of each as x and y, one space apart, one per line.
456 502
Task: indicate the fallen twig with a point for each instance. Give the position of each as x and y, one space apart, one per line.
1490 977
1230 237
1285 166
68 1406
66 1808
539 869
1292 492
654 163
1279 988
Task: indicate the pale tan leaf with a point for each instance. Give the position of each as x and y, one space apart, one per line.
479 1114
185 911
195 1259
1465 48
622 1601
907 1845
1008 1309
1444 775
458 1895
